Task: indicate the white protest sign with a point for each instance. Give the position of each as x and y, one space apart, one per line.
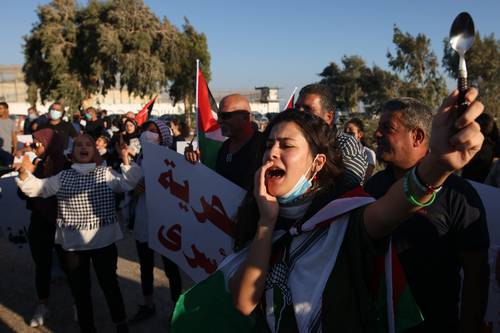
191 210
491 199
15 217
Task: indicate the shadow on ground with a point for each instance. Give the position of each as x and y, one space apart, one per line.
18 298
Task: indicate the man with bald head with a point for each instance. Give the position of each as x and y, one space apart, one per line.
236 159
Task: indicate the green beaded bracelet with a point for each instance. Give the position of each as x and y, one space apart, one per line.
411 199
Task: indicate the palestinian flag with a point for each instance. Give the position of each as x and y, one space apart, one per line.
209 304
401 312
144 114
209 134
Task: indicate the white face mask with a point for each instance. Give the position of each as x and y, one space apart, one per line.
150 137
55 114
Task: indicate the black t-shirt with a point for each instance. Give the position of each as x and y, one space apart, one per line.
95 128
240 167
64 129
479 167
429 246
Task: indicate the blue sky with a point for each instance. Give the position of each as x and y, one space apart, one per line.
285 44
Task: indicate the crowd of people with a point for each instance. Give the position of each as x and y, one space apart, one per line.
87 170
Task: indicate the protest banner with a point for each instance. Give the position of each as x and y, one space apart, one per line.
491 197
191 210
15 217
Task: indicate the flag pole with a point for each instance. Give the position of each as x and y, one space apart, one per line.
291 96
196 96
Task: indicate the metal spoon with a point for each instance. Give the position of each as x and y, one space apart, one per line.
461 39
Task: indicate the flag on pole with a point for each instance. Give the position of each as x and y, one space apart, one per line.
291 101
209 134
144 114
396 305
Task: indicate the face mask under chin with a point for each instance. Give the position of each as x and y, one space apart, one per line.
300 188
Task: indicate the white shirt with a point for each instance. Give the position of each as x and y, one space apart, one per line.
370 156
77 240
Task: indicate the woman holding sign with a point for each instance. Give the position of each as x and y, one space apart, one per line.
308 258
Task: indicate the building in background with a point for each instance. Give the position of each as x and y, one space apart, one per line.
13 90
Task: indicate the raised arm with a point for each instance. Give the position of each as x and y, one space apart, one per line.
130 176
33 186
453 143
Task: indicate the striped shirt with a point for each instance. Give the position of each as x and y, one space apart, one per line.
354 158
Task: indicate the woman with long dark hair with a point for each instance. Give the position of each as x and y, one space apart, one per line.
306 248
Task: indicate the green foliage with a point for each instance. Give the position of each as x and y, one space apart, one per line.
483 67
191 45
49 53
74 52
354 82
379 86
418 64
346 83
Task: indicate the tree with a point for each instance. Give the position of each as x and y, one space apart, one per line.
379 86
355 83
418 64
191 45
133 29
49 51
74 52
483 68
346 83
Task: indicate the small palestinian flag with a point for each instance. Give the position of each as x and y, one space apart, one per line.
144 114
209 134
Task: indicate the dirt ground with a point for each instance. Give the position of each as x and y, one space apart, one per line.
18 298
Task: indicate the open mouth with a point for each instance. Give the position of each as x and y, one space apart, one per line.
275 173
84 153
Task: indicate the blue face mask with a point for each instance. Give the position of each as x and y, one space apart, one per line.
54 114
300 188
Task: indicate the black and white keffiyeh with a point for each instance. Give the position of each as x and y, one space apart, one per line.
85 201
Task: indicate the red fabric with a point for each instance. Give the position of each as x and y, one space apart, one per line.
399 283
291 102
143 115
355 192
206 121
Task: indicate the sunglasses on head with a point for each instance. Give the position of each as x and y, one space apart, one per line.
35 145
229 115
